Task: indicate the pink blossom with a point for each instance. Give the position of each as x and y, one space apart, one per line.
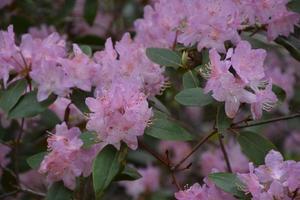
248 63
4 160
80 69
120 113
50 77
277 179
292 142
41 32
66 159
265 100
208 191
149 182
225 87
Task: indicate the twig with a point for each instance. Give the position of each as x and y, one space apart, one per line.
224 153
198 145
3 196
153 153
234 126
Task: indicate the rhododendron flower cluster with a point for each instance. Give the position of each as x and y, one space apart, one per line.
277 179
66 159
209 24
207 191
238 79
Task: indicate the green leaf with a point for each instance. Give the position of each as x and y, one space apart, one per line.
193 97
222 121
35 160
58 192
65 10
28 106
294 51
89 40
78 99
157 104
164 57
12 94
90 11
89 138
106 166
87 50
255 146
280 93
128 174
190 80
165 128
228 182
294 5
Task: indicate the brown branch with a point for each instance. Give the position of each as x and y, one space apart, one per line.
236 126
198 145
153 153
224 153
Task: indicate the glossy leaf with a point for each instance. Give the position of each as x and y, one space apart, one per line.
89 138
193 97
90 11
164 57
294 5
228 182
280 93
35 160
222 121
12 94
28 106
59 192
294 51
106 166
255 146
165 128
129 174
190 80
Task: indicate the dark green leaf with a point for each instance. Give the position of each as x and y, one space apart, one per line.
190 80
78 99
106 166
164 57
255 146
193 97
65 11
165 128
280 93
49 119
289 46
129 174
90 40
12 94
294 5
28 106
59 192
157 104
35 160
228 182
87 50
90 11
89 138
222 121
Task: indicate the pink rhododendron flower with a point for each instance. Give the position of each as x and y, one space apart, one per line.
51 78
277 179
80 69
248 63
66 159
120 113
149 182
225 87
4 160
41 32
292 142
207 191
